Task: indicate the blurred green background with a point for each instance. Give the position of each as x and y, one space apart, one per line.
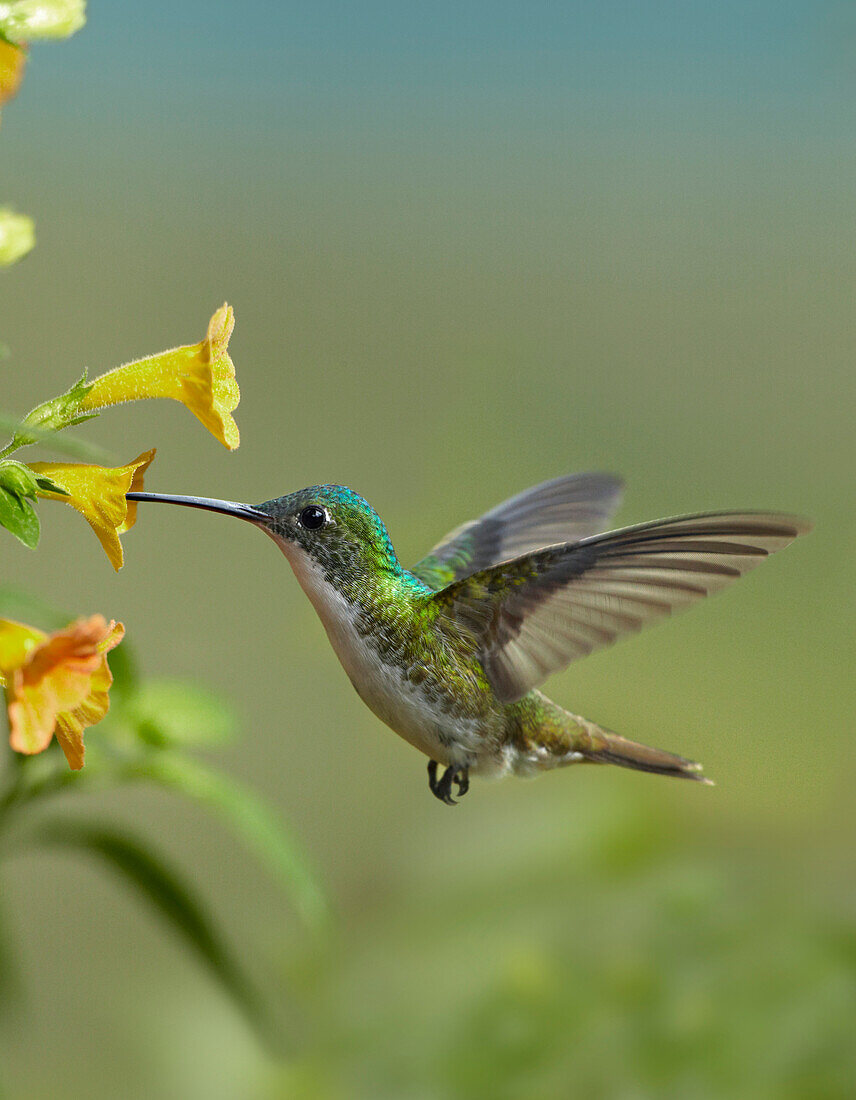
470 247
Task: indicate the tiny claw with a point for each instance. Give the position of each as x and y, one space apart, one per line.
442 788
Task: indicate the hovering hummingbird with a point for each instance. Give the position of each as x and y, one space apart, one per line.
450 652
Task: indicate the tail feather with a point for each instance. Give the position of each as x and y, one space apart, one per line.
611 748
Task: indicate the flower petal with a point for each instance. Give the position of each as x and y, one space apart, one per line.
16 642
12 62
71 724
32 715
212 394
139 467
98 493
201 376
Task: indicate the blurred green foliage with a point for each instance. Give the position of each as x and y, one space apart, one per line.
656 966
143 739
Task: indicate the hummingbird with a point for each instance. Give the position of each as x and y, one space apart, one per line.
450 653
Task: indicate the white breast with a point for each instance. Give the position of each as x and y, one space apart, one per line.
385 689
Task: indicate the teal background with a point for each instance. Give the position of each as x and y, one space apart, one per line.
469 247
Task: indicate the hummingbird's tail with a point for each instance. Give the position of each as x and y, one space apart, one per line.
546 735
611 748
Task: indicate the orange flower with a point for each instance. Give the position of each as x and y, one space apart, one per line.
98 493
201 376
56 683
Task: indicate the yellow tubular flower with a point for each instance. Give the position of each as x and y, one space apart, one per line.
56 683
200 376
98 493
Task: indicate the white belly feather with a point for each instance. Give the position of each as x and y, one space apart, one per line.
404 706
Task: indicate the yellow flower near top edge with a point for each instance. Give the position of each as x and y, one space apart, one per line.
200 376
56 683
98 493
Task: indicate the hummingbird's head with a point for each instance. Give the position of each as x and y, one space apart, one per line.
327 532
331 526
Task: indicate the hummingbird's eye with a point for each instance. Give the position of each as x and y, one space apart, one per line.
312 517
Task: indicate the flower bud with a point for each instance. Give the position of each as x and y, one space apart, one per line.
27 20
54 415
18 479
17 235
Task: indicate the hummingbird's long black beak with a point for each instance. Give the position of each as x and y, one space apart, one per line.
225 507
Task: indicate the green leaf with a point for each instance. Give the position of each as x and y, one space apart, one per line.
256 825
170 895
172 712
18 516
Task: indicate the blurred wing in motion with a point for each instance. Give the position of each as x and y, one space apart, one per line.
532 616
560 511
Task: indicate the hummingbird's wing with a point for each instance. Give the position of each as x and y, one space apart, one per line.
565 509
532 616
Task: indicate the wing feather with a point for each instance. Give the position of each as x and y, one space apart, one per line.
563 510
535 614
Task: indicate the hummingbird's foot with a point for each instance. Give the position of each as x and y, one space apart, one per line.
442 788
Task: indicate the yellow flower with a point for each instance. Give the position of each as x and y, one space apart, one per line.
98 493
200 376
12 62
56 683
